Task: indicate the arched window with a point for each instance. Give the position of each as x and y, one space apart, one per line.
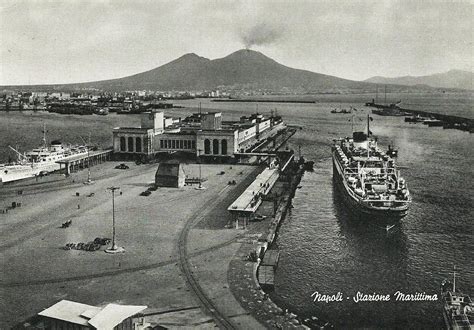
224 146
130 144
215 146
138 144
207 146
123 146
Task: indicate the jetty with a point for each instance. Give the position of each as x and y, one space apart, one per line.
448 121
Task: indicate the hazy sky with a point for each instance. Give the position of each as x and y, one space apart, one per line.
74 41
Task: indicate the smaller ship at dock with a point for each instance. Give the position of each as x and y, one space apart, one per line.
368 178
39 161
458 311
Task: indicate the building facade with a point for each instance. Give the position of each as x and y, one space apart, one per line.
202 135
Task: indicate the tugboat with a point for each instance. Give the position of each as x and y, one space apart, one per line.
368 178
458 311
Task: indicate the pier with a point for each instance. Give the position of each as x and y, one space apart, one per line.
79 162
248 202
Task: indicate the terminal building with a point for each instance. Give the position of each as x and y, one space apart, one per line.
204 135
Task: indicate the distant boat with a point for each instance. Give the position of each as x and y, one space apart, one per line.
414 119
341 111
103 111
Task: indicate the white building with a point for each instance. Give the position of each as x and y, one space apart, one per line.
208 138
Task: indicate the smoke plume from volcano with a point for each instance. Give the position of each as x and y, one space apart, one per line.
261 34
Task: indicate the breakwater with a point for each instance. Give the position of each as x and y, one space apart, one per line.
262 100
448 121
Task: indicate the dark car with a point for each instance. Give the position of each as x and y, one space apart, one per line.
122 167
102 240
145 193
43 173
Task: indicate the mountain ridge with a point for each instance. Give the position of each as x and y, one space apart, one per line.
454 78
243 69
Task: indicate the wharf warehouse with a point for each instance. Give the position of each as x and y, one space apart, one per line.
203 135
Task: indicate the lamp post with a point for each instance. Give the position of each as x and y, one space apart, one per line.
89 181
200 187
114 248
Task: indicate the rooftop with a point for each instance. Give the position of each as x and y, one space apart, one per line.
248 201
87 315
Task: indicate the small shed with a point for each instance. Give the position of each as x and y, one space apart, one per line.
170 174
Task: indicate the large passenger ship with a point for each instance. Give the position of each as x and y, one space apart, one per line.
368 178
38 161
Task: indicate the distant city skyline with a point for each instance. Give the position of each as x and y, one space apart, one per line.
46 42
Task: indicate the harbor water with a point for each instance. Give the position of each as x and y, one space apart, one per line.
324 248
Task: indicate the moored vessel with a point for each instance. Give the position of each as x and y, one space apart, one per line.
458 309
368 178
38 161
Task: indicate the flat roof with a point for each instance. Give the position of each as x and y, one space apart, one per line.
70 311
84 156
244 202
87 315
113 315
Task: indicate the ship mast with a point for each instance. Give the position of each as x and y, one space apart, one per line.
44 135
454 279
368 125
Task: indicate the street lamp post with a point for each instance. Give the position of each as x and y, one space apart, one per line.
114 248
200 187
89 181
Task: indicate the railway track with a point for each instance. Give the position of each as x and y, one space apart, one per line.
222 321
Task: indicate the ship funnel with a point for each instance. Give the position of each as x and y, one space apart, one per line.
359 136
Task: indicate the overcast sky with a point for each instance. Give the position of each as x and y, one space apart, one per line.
75 41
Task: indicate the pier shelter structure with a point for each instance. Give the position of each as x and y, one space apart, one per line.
76 163
73 315
245 206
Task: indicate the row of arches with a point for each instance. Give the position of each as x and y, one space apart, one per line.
215 147
129 145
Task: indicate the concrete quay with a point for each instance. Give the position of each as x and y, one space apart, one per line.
39 272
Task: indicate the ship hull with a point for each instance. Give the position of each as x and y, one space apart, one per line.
360 209
20 172
17 173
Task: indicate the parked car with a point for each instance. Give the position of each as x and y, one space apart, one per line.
122 167
259 217
145 193
43 173
102 240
